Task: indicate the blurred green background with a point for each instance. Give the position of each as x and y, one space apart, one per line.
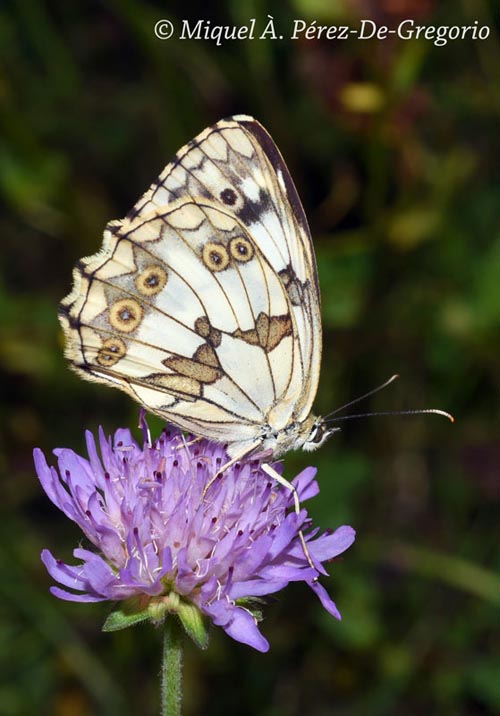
394 149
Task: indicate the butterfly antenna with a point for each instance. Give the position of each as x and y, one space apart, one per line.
435 411
362 397
329 419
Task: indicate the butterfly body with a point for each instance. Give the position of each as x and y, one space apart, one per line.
203 303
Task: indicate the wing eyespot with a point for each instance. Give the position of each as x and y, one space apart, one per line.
241 249
151 281
228 196
215 256
110 352
125 315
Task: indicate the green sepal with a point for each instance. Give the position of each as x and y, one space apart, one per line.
128 614
193 623
134 611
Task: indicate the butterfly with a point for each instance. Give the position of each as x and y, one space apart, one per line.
203 303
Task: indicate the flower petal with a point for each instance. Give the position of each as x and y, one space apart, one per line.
69 597
63 573
239 624
325 599
306 484
256 588
330 545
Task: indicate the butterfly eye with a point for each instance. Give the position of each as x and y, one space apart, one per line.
111 351
151 281
215 256
241 249
317 434
125 315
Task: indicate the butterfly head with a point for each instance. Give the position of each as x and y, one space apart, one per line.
316 433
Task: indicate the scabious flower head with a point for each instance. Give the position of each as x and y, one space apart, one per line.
162 541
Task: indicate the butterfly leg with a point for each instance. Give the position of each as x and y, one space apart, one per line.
281 480
185 444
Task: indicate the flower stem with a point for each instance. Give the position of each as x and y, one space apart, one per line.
171 671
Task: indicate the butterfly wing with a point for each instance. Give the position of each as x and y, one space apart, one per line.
236 163
203 303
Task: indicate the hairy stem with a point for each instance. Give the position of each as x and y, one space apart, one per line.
171 671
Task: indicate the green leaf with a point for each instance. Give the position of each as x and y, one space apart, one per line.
124 617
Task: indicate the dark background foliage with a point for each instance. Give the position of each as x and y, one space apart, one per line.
393 146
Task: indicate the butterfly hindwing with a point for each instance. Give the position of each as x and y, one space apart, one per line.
203 302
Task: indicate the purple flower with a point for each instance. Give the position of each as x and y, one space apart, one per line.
162 541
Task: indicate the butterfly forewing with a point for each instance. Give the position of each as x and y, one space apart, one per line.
203 303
